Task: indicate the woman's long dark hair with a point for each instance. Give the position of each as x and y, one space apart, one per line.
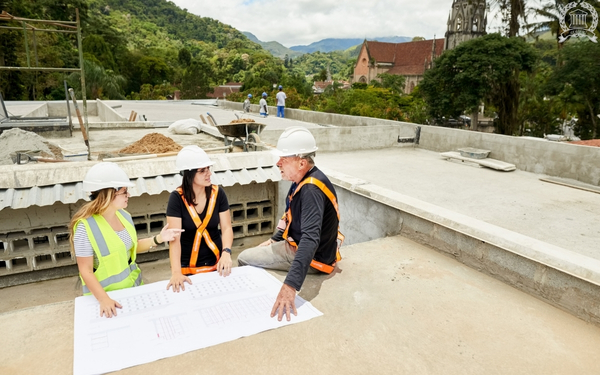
187 185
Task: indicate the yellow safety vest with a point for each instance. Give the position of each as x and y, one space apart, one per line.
114 270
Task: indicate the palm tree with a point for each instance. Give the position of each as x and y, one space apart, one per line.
100 83
512 11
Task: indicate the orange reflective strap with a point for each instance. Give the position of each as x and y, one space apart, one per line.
322 266
324 189
201 232
195 270
288 216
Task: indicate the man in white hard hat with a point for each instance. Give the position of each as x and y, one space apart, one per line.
307 236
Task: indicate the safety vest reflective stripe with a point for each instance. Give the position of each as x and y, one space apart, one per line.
102 246
201 233
115 269
118 278
288 216
127 217
195 270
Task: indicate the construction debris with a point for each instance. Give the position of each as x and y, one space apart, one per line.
153 143
187 126
17 140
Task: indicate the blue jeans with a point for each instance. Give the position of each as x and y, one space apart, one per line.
280 111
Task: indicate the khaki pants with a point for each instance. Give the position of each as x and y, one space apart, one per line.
276 256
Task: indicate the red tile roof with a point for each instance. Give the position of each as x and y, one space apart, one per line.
409 58
320 86
223 91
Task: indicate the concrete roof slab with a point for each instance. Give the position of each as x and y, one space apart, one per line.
419 312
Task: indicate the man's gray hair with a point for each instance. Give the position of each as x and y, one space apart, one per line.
309 158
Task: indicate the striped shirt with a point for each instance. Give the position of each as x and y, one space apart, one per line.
83 246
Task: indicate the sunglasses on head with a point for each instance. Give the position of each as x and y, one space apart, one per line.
199 170
125 192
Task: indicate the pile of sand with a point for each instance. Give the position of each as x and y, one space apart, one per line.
153 143
15 139
242 121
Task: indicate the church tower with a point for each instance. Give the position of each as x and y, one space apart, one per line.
467 20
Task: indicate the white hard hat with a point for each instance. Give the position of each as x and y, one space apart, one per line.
192 157
105 175
295 141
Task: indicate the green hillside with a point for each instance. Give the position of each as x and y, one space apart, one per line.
137 48
276 48
146 50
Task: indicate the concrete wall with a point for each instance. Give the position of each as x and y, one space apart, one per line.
338 139
41 111
558 276
532 155
107 113
528 154
59 109
34 243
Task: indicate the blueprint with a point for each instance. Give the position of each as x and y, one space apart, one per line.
156 323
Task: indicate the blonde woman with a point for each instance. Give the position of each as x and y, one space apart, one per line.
104 240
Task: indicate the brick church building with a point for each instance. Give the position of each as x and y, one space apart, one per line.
467 20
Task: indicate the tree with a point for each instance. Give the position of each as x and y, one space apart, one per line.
152 70
512 11
482 69
577 79
393 82
197 79
184 57
322 76
96 46
11 84
99 83
539 113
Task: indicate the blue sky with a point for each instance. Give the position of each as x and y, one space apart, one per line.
301 22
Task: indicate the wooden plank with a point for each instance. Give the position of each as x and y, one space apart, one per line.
487 162
572 184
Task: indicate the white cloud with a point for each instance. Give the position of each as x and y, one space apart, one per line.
305 21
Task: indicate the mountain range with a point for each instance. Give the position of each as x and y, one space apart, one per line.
325 45
337 44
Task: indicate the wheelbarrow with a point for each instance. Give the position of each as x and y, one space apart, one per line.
244 134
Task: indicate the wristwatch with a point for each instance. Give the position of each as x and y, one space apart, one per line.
227 250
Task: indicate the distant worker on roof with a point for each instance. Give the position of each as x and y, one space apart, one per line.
306 240
247 103
262 104
103 237
281 97
200 208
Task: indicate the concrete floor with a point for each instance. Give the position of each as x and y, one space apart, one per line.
394 307
517 201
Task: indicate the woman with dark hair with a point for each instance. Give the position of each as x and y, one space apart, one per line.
199 208
103 237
